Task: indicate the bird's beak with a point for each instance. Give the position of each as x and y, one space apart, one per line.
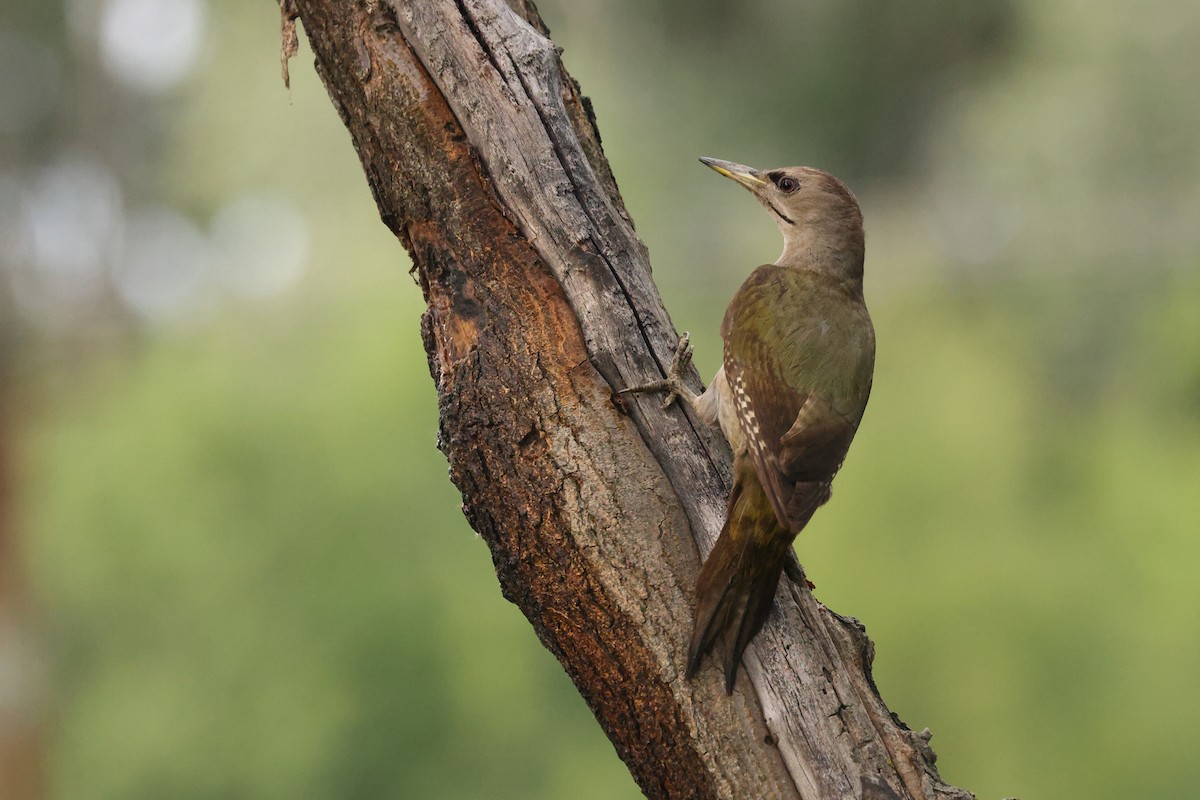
746 176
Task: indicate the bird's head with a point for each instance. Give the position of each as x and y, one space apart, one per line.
817 215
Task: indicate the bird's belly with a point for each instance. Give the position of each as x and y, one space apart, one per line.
726 411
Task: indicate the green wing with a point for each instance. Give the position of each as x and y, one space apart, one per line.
794 373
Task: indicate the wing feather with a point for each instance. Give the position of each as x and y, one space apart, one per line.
795 437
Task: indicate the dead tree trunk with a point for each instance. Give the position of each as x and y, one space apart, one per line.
485 162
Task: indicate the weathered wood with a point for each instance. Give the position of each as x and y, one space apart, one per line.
483 159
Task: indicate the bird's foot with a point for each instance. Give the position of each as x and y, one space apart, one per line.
673 384
795 571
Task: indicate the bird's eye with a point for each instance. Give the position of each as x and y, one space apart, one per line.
788 185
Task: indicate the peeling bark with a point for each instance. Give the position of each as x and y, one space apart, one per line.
484 159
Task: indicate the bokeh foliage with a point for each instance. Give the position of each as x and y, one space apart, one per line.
251 574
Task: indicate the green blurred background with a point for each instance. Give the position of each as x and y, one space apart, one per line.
233 565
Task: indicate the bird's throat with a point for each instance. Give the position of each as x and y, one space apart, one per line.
780 214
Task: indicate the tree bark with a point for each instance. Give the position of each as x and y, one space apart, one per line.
485 161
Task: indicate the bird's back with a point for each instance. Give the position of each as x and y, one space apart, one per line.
807 330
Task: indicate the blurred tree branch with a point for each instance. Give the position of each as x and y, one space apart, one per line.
485 161
22 757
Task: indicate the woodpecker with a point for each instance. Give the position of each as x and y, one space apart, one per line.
789 397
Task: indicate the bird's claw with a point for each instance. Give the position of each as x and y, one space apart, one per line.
683 356
795 570
673 384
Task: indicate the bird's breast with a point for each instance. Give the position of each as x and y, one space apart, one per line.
726 410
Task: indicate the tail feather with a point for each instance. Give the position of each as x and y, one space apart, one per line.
737 583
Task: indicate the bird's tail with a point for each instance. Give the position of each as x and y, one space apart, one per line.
737 582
